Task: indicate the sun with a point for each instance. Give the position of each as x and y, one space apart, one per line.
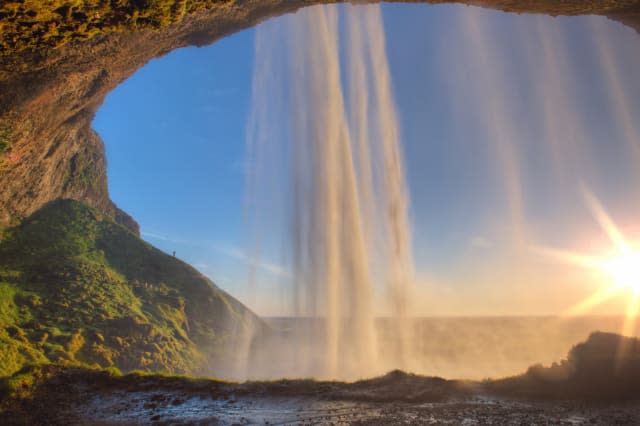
625 271
620 267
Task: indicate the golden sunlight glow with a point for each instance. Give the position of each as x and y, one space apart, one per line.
620 268
625 270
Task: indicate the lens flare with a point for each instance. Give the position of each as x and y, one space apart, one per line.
621 266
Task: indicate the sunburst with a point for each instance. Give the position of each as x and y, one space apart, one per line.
620 266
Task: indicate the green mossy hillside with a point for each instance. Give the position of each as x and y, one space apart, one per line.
77 288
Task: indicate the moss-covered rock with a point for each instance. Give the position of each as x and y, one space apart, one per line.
77 287
52 23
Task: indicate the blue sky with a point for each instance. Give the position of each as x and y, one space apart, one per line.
175 133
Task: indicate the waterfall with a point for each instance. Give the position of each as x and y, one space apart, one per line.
533 133
345 197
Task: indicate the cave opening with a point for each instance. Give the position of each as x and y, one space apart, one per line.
504 119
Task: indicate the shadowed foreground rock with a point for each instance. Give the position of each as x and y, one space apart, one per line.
606 366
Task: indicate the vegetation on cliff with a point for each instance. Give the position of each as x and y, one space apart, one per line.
52 23
77 288
36 24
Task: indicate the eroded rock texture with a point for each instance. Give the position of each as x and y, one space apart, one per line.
57 65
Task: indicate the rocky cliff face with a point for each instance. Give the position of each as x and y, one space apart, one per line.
58 60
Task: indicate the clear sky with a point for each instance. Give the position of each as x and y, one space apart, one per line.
563 91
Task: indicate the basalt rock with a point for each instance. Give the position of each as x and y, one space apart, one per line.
59 59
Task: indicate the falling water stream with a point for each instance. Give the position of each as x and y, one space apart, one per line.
349 229
325 153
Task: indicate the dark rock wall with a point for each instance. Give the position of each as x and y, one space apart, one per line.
48 96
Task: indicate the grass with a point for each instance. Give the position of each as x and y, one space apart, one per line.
77 288
22 383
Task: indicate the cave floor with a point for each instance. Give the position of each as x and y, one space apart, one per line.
71 396
179 408
170 408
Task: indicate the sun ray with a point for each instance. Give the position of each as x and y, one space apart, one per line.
629 327
597 298
605 221
621 267
586 261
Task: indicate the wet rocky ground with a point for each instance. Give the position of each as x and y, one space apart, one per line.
162 408
86 397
